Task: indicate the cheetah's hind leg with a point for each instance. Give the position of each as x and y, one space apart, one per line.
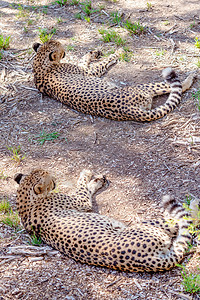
97 183
186 84
89 57
90 182
99 68
87 185
84 178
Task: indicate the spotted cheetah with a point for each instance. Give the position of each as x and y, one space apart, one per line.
67 224
81 89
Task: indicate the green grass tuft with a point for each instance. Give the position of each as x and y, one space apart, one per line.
35 241
3 176
78 16
59 20
198 63
149 6
197 96
5 206
87 19
111 36
11 219
61 2
7 215
87 8
116 17
66 2
126 55
74 2
17 156
70 47
44 136
197 43
134 28
191 282
44 35
4 44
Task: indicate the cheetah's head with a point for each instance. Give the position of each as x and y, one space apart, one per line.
52 49
39 181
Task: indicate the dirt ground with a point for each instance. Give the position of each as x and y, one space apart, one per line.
141 161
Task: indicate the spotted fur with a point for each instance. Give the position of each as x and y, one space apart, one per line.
67 224
81 89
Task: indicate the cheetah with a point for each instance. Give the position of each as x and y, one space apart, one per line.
68 224
82 89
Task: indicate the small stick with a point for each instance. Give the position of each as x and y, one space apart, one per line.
114 282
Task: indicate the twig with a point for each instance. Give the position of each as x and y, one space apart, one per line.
173 45
193 55
2 87
103 11
3 74
166 166
80 292
31 251
169 29
114 282
185 124
29 88
95 138
129 15
112 25
181 295
136 283
91 119
180 18
38 258
154 35
8 259
20 50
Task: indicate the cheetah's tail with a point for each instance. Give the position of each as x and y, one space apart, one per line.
182 217
173 100
176 87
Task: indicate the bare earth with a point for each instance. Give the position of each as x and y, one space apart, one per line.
142 161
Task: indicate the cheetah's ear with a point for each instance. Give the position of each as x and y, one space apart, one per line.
46 184
39 188
18 177
36 46
52 56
